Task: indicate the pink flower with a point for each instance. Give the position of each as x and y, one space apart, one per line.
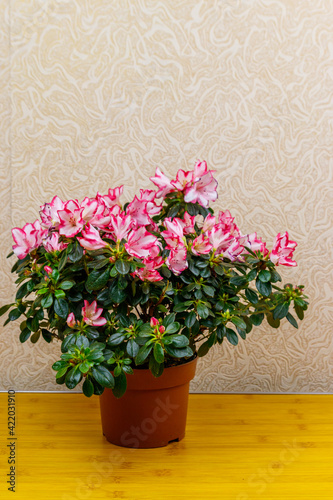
200 169
201 245
209 223
226 222
149 272
49 212
112 198
183 180
91 315
282 251
219 239
71 221
203 191
71 322
188 222
163 183
120 226
27 239
48 269
233 251
149 196
175 232
153 322
253 243
52 243
137 209
176 260
91 238
140 243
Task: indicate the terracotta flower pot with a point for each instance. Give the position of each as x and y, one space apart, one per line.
152 413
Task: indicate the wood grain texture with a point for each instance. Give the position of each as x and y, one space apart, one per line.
97 93
238 447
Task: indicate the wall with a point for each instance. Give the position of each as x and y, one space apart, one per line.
96 93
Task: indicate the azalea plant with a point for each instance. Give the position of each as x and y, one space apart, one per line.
148 284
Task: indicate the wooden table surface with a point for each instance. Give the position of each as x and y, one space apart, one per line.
237 447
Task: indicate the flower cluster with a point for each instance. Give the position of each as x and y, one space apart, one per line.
147 282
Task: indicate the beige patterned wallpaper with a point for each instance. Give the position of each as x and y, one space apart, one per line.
96 93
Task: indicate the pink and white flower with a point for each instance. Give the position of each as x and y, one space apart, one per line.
49 212
149 272
48 269
209 223
202 191
112 198
226 222
174 235
52 243
176 260
201 245
71 221
254 243
219 239
282 251
234 251
149 196
188 222
163 183
137 209
120 225
140 243
71 321
92 315
183 180
27 239
91 238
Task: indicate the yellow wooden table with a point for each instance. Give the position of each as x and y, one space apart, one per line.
237 447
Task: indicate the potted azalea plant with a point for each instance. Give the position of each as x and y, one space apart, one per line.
134 293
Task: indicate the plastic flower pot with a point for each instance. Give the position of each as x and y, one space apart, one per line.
153 411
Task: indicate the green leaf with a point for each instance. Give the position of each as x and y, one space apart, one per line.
251 275
190 319
35 337
120 385
299 311
59 364
173 211
73 377
68 342
158 353
77 252
143 353
103 376
274 323
292 320
251 296
209 290
179 353
132 348
168 320
47 336
265 288
116 339
62 371
238 322
59 294
257 319
275 276
238 280
88 388
22 291
203 349
14 314
66 285
281 310
172 328
24 335
156 368
85 367
179 341
47 301
264 275
97 280
61 308
122 266
5 308
63 260
232 336
116 294
202 310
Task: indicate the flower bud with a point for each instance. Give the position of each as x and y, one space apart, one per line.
162 329
153 322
